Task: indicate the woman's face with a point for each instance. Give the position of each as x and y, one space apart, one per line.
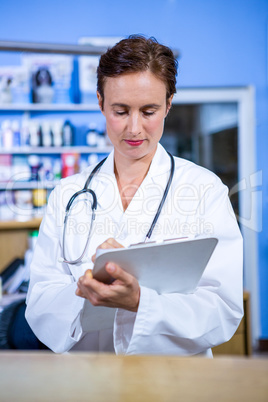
135 108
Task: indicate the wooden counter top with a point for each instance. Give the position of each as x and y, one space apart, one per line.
30 224
77 377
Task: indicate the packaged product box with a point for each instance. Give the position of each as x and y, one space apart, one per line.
70 163
87 67
14 85
23 204
21 171
5 167
51 77
6 206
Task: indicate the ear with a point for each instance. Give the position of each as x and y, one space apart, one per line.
169 102
100 101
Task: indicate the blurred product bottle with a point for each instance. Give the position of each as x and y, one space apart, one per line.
47 139
56 128
23 204
57 169
6 206
7 135
5 90
93 159
83 165
92 135
33 239
70 164
34 134
101 140
42 86
25 133
67 134
39 201
16 133
5 168
47 169
21 171
35 165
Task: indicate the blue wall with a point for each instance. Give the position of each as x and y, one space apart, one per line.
222 43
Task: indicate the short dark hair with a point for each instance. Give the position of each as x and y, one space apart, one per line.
136 54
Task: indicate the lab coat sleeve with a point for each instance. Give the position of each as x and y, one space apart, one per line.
188 324
52 307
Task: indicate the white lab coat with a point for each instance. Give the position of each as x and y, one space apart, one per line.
177 324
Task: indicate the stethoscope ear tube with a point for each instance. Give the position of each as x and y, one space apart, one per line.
79 259
67 212
71 200
94 207
163 198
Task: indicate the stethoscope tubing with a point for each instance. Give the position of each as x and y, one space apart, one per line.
94 207
163 198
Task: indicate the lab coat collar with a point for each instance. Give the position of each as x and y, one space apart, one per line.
160 165
105 182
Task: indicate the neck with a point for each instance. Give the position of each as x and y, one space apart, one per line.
129 175
130 170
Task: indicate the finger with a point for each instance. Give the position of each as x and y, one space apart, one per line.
109 243
79 292
114 243
117 272
87 284
88 274
85 279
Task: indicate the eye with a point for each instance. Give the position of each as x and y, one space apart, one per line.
148 112
120 112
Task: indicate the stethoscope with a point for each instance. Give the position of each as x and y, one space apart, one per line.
86 190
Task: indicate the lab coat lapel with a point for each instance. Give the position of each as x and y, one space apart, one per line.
135 222
158 174
143 207
160 167
105 178
105 186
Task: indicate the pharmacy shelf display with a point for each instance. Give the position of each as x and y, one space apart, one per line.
43 140
28 173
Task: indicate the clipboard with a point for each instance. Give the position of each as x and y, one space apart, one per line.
167 267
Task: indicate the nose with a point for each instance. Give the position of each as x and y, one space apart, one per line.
134 124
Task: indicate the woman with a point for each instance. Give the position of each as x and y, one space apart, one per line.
136 83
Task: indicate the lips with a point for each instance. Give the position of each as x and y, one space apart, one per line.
134 143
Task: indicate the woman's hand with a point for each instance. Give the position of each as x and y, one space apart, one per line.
123 292
109 243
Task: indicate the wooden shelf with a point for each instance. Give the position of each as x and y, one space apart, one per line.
11 225
14 239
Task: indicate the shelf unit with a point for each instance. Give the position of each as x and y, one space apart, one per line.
14 234
55 150
10 186
29 224
52 107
